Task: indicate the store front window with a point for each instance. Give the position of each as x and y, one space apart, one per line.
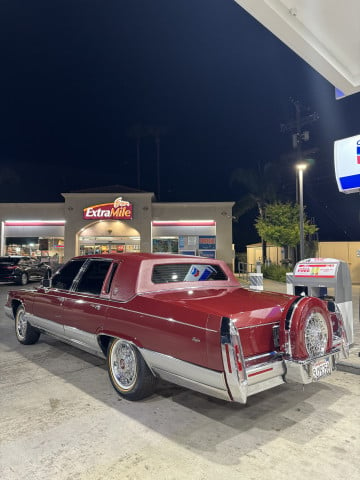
185 237
37 247
166 245
90 245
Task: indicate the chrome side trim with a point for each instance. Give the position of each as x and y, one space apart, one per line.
84 340
258 357
74 336
48 326
258 326
186 374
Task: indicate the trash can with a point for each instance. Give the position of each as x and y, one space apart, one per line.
329 279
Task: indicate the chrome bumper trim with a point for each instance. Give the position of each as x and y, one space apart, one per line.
301 371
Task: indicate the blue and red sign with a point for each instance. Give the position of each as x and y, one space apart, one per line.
347 164
207 242
198 273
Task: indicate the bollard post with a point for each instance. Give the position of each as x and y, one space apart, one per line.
290 283
256 281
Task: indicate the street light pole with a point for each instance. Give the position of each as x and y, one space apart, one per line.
300 167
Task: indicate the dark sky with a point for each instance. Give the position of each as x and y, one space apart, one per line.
77 74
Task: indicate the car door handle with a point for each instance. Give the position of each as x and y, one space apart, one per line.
96 306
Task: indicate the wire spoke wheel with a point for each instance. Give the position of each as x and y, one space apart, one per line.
124 365
21 325
129 374
316 335
25 333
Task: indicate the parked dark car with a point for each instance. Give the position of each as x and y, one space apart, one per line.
20 269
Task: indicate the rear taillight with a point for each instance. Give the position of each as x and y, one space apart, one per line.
238 357
232 346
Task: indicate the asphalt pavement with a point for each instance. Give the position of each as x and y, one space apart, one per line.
60 419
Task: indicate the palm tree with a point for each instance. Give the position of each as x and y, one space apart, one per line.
137 131
261 185
157 132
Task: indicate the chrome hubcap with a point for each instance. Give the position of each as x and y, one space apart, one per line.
123 365
21 325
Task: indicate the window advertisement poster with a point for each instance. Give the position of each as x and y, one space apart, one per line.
165 245
207 253
207 242
192 240
187 242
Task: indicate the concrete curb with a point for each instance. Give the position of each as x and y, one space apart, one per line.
348 367
351 364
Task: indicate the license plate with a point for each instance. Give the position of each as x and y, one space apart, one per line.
321 368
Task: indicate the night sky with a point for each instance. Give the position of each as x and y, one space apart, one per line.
76 75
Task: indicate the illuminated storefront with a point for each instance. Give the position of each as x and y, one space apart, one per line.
128 221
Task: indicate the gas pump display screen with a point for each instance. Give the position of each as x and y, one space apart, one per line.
317 270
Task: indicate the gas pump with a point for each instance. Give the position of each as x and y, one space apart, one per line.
329 279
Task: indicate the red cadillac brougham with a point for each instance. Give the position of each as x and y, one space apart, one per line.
183 319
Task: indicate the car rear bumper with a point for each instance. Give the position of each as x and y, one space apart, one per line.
276 370
315 369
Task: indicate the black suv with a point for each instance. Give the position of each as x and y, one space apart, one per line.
22 269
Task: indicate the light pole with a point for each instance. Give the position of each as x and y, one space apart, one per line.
300 167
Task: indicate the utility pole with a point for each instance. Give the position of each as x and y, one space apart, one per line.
299 136
295 128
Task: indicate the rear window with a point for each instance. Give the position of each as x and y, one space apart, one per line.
187 272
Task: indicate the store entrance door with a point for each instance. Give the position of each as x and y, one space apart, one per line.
108 237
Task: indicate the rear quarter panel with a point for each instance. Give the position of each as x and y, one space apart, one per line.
169 329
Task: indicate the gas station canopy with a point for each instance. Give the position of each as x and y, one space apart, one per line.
324 33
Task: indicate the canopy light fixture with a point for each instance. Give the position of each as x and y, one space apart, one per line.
34 223
184 223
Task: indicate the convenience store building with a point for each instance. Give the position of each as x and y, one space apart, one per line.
122 220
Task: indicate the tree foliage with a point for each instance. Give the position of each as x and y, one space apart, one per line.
279 224
259 184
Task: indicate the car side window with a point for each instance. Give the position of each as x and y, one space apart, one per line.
64 278
93 278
